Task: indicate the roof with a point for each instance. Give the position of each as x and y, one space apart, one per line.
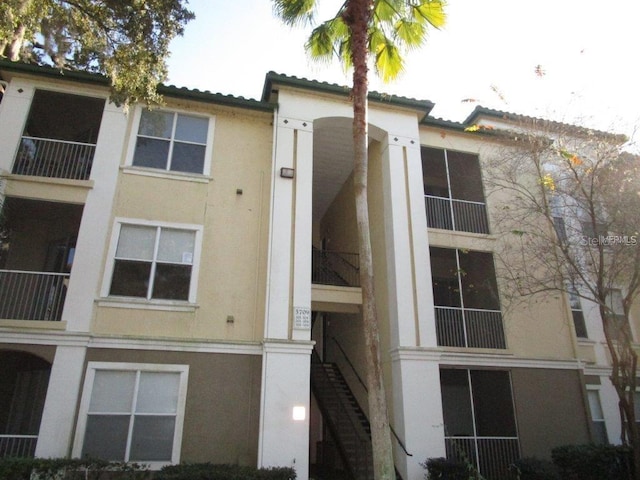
165 90
273 78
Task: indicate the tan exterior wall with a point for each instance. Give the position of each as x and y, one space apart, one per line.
223 402
235 226
550 409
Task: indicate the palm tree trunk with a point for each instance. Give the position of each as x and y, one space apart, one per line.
357 16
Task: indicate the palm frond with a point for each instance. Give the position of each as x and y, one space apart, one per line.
295 12
432 11
411 33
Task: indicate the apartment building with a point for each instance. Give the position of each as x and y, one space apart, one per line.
181 285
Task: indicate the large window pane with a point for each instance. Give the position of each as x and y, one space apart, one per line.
130 279
464 174
478 276
192 129
187 157
434 172
444 270
492 404
152 438
456 403
151 153
156 124
112 391
172 282
106 437
158 392
136 242
176 246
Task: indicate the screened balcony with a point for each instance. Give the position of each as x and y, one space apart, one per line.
37 247
60 136
467 307
453 193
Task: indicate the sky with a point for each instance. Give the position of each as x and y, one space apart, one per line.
568 60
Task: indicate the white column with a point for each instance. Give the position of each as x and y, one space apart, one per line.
284 441
14 110
408 271
417 403
84 282
288 312
58 417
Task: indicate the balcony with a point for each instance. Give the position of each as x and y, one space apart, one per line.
469 328
60 136
32 295
491 456
44 157
335 268
18 445
457 215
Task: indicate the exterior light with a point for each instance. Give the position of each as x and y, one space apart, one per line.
286 172
299 413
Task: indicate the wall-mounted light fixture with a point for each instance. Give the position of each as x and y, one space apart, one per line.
287 172
299 413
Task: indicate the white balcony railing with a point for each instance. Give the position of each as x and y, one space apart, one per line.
491 456
32 295
458 215
44 157
18 445
468 327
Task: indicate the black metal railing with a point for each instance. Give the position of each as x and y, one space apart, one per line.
458 215
470 328
335 268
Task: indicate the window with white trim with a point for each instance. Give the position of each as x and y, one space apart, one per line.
132 412
155 262
172 141
598 425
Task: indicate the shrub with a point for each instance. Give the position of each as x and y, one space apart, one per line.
208 471
12 468
594 462
446 469
535 469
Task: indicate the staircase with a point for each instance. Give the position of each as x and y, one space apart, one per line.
344 418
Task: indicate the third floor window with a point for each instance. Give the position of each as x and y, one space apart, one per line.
454 197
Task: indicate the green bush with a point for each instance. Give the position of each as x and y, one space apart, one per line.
208 471
594 462
534 469
12 468
446 469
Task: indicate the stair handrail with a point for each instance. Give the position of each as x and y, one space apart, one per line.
353 368
342 412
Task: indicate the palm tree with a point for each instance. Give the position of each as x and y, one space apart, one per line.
363 30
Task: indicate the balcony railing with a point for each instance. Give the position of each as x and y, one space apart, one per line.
335 268
32 295
491 456
459 215
471 328
18 445
43 157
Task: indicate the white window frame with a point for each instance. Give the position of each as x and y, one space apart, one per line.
208 151
601 420
93 367
111 260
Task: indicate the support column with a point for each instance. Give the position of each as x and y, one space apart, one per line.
284 406
417 404
286 362
58 417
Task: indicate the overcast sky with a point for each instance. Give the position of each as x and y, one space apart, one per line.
489 51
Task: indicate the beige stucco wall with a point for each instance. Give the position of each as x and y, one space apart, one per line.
232 272
222 410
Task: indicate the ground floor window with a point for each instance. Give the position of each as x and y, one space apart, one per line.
480 425
597 417
132 412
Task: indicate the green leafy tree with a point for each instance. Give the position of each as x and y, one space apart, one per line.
363 31
126 40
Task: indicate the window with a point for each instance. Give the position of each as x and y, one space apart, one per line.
466 299
132 412
454 198
616 324
172 141
597 417
155 262
479 420
577 314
